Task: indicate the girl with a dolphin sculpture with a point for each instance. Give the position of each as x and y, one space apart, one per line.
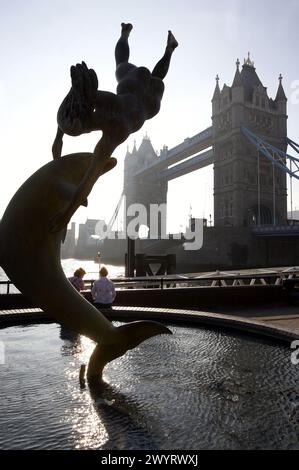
86 109
33 225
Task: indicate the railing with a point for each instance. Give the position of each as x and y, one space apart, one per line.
268 230
5 287
158 282
265 279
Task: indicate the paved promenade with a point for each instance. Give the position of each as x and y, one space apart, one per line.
285 317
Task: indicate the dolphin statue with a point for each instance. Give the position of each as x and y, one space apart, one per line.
30 256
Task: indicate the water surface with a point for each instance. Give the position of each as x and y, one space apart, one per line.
197 389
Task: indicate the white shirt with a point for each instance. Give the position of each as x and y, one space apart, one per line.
103 291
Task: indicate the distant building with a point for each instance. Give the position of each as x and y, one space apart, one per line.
87 245
293 217
69 245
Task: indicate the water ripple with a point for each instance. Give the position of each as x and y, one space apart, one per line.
197 389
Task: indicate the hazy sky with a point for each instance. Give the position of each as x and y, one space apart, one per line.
40 39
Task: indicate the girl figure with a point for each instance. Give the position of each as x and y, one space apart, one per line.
86 109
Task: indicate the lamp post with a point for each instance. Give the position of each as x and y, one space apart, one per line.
97 258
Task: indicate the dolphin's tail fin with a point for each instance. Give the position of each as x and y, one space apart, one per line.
130 336
138 331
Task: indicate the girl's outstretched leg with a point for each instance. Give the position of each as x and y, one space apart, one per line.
161 69
122 50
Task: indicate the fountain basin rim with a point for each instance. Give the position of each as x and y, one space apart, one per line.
277 333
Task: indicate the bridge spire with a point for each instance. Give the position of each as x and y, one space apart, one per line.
128 154
216 95
237 79
248 61
134 151
280 96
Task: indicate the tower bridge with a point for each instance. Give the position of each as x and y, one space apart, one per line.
246 144
247 191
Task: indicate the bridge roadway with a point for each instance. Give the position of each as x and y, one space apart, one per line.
192 164
186 149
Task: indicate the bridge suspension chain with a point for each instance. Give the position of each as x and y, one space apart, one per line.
278 157
115 213
293 144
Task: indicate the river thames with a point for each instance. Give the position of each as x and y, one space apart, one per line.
71 264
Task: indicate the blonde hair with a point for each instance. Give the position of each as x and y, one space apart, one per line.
79 272
103 271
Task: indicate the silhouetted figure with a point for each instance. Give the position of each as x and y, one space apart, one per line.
77 279
86 109
103 290
139 94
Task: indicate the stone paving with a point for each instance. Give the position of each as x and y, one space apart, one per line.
283 316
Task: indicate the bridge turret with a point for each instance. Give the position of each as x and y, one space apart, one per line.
216 97
134 151
237 194
146 153
237 79
281 105
237 88
143 189
164 152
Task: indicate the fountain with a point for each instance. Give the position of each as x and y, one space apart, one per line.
35 221
199 388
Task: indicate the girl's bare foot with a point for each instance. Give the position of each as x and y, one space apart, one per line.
171 41
126 28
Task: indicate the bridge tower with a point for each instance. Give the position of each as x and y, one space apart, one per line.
245 192
144 188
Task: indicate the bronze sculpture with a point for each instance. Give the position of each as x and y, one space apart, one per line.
30 250
85 109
